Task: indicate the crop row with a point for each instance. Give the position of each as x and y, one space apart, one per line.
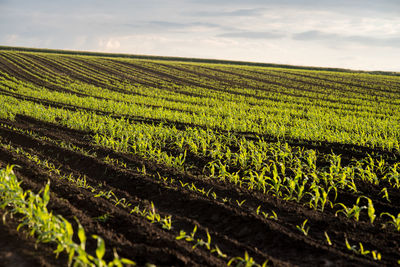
327 142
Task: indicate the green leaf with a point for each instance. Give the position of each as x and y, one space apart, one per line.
71 255
127 261
68 228
46 194
101 247
81 235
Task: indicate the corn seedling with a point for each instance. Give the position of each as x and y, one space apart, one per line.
371 210
385 194
103 218
395 220
245 261
200 242
189 238
240 203
362 251
376 255
273 216
47 227
328 240
302 228
353 212
350 247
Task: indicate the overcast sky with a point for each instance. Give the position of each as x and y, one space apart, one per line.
356 34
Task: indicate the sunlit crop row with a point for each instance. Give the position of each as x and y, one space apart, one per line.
261 129
47 227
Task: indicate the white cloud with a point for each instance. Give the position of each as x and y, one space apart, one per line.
11 39
362 34
109 44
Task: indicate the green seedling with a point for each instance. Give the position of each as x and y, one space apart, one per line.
385 194
245 261
240 203
219 252
371 211
189 238
328 240
353 212
350 247
302 228
47 227
103 218
273 216
376 255
395 220
201 242
362 251
258 210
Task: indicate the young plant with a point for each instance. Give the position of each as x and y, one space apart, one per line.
353 212
103 218
302 228
273 216
385 194
350 247
201 242
240 203
395 220
245 261
328 239
371 211
189 238
375 254
46 226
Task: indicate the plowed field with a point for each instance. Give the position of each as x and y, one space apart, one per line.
195 164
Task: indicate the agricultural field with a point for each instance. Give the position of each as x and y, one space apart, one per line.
172 163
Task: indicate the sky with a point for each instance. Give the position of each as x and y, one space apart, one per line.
355 34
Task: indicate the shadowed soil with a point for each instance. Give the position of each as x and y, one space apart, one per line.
235 229
233 216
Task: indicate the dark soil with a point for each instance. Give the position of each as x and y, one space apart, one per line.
234 229
18 249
